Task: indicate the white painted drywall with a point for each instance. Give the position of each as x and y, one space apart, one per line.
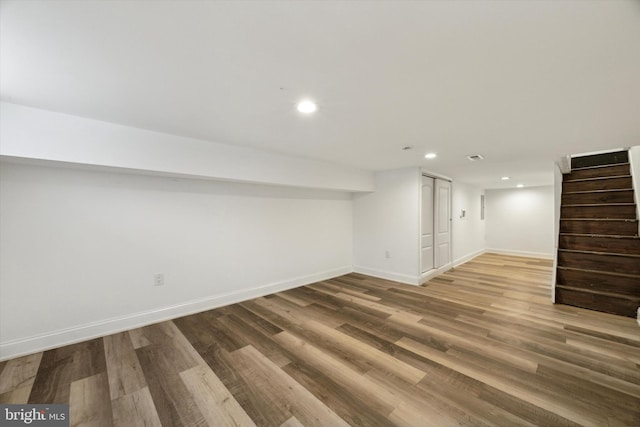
520 221
32 133
468 233
387 221
80 249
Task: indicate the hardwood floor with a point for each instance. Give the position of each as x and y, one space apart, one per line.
479 345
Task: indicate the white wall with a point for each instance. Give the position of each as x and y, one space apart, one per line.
520 221
80 248
468 233
387 220
32 133
557 208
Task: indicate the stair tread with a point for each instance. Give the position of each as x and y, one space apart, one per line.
608 273
599 166
594 292
600 219
609 196
596 178
582 251
608 236
587 218
597 204
601 170
597 191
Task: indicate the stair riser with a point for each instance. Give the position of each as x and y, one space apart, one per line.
589 280
620 228
600 262
600 244
597 184
619 306
604 197
600 159
605 211
616 170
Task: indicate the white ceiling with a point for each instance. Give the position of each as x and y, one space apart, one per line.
521 82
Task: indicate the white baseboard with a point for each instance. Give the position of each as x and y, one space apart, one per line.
388 275
33 344
412 280
544 255
467 258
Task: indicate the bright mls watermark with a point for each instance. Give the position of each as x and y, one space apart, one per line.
53 415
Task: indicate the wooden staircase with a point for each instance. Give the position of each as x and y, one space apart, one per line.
599 247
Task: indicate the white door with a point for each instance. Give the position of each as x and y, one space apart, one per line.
442 223
426 245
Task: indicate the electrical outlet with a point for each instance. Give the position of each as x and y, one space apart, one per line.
158 279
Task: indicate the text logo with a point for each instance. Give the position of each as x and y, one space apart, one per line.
53 415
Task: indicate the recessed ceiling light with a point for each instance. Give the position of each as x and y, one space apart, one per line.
520 185
430 156
307 106
505 178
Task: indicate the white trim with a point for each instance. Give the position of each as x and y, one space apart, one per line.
429 174
421 175
388 275
634 167
29 345
467 258
558 178
564 163
544 255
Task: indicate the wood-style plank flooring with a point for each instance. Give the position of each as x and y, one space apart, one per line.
479 345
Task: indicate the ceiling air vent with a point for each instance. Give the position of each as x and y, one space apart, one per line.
475 157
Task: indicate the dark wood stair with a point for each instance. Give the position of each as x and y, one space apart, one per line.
613 227
599 261
599 196
600 183
604 159
599 211
598 171
603 281
599 247
600 243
